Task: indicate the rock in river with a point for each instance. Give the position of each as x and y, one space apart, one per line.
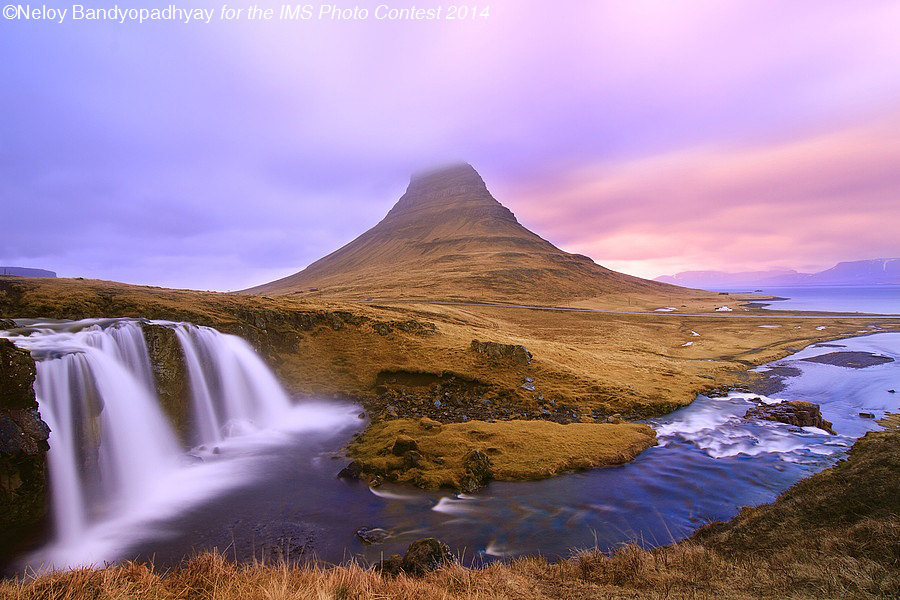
800 414
372 535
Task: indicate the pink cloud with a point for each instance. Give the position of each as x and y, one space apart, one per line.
810 201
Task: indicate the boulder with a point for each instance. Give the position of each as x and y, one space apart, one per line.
425 555
372 535
404 444
392 565
479 471
799 414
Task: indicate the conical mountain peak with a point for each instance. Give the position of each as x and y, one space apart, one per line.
454 189
447 238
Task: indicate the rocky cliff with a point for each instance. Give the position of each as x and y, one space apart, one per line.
23 447
170 375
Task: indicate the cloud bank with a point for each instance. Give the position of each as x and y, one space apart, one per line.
650 135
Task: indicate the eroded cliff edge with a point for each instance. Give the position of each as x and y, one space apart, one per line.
23 450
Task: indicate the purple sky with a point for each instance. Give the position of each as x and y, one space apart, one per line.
653 136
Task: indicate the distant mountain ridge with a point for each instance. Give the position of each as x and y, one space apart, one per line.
26 272
448 238
876 271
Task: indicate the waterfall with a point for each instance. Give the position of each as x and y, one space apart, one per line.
232 390
111 444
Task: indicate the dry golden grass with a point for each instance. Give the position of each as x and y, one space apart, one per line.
518 450
685 571
595 363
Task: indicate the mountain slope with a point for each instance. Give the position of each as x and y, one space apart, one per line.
875 271
448 238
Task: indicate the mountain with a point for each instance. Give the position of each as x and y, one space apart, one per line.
860 272
447 238
876 271
26 272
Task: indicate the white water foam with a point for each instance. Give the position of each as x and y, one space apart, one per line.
457 505
717 427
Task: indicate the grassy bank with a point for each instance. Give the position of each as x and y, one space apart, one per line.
834 535
432 455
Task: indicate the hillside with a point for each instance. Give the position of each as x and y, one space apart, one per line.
447 238
876 271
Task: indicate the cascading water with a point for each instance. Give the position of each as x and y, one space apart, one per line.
111 445
232 390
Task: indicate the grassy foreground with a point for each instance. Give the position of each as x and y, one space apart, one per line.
834 535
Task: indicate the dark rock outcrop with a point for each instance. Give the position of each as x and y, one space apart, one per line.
421 557
478 471
170 376
23 447
445 397
392 565
404 444
800 414
351 471
426 555
514 353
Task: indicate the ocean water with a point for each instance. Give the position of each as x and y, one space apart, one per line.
876 299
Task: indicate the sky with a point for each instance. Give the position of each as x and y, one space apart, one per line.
653 136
